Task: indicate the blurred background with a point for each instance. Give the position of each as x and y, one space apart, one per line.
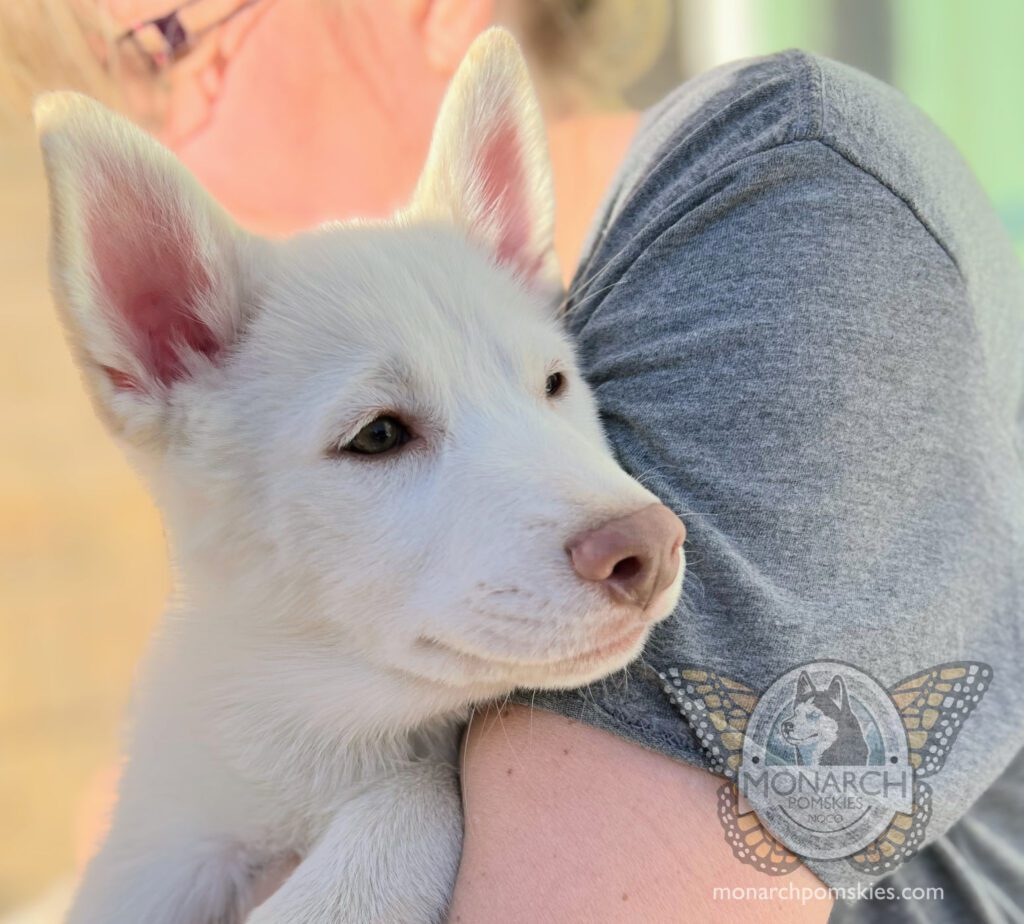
81 550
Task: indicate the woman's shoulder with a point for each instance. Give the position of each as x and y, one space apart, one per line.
716 129
750 106
713 120
735 123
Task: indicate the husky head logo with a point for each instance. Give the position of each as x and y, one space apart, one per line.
823 723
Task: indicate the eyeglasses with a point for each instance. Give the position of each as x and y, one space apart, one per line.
163 40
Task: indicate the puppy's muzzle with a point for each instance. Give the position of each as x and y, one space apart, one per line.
634 558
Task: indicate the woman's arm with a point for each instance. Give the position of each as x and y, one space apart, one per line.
565 822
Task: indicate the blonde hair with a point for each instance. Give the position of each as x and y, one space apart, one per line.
53 44
584 53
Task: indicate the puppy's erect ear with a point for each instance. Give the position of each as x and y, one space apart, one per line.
804 685
145 267
488 169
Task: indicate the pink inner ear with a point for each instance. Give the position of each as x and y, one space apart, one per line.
505 197
152 277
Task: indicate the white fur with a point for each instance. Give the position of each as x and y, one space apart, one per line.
336 617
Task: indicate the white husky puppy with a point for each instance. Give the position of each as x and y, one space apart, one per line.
388 498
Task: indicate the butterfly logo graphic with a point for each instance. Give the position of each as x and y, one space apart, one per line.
932 705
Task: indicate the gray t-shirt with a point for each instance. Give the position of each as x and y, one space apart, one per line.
805 329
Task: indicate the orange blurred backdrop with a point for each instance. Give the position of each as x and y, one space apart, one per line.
81 557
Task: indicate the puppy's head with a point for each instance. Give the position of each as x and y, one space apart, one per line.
373 438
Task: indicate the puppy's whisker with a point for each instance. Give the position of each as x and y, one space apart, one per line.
498 618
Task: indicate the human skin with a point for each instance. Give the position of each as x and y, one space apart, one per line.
298 111
566 822
301 111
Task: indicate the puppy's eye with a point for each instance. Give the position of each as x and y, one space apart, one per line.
554 384
379 436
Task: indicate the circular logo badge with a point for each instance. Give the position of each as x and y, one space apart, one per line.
825 760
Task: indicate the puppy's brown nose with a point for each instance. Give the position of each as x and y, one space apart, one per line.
635 557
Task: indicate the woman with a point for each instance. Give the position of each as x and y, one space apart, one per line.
804 328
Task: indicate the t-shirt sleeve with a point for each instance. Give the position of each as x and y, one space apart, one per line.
787 355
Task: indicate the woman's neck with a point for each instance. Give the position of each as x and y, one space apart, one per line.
586 151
